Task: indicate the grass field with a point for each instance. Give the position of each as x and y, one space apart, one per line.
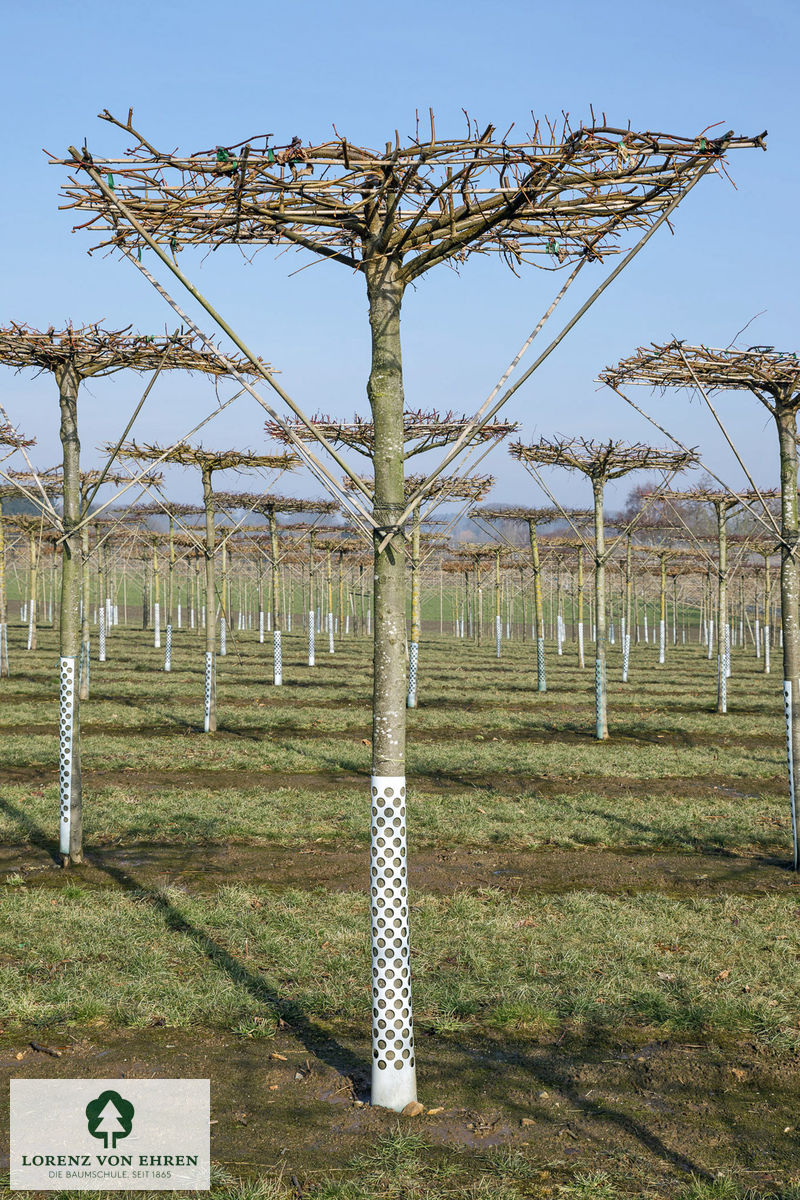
606 936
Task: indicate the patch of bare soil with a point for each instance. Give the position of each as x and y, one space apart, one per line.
551 870
663 1110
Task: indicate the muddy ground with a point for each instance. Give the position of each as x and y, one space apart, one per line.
298 1099
439 872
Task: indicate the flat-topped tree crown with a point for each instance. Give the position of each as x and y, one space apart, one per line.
767 372
9 436
422 430
267 503
445 487
516 512
182 454
602 460
90 351
550 195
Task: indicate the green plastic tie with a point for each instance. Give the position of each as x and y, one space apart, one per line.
110 179
270 155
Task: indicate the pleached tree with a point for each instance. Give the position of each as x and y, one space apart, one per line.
71 356
773 377
208 462
557 196
600 462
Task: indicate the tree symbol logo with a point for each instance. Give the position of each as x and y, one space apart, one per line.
109 1117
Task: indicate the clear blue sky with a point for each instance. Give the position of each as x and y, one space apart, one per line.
198 74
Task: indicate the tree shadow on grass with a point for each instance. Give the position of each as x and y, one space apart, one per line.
314 1039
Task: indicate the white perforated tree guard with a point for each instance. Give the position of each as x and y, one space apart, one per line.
330 633
209 690
101 637
269 622
722 683
626 656
30 626
787 709
413 665
599 696
67 746
727 651
710 637
611 634
662 641
3 649
157 625
261 625
223 636
179 615
168 650
394 1078
277 658
311 638
498 634
541 678
766 649
191 617
580 644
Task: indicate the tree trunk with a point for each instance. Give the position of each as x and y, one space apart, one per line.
601 715
786 416
170 585
71 822
581 661
3 602
393 1069
722 608
32 588
413 649
210 715
538 610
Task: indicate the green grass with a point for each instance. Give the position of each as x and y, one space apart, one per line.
493 766
726 966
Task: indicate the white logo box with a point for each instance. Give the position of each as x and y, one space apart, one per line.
148 1134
